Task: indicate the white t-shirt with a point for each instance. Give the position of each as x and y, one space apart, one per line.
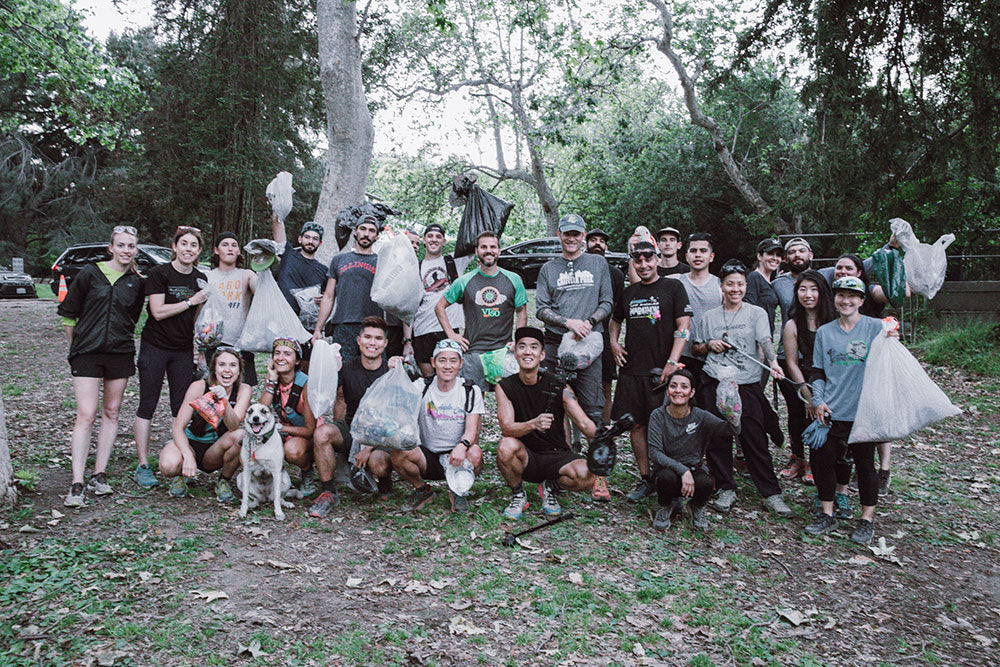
434 274
741 329
235 289
442 415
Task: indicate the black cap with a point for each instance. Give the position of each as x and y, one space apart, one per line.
529 332
668 230
223 236
768 245
435 227
598 232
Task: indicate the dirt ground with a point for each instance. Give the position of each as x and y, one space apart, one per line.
138 578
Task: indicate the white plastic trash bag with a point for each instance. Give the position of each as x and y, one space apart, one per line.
459 478
324 366
270 317
397 287
308 308
575 355
727 397
210 325
925 264
279 193
386 418
897 398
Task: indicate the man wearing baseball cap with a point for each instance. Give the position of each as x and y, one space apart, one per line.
574 295
668 240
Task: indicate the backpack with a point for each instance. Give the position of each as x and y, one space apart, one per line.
470 394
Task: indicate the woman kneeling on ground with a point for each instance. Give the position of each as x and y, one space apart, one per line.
679 435
197 445
99 313
839 356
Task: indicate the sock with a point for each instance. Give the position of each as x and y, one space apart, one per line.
329 486
385 484
517 489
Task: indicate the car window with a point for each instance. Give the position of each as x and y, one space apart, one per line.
158 252
540 247
98 255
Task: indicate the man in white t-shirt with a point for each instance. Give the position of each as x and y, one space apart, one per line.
450 415
438 272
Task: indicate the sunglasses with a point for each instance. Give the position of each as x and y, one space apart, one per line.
124 229
647 255
734 268
229 348
448 344
188 230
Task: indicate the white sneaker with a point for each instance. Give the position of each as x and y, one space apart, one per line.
777 505
724 500
550 505
75 496
518 503
98 485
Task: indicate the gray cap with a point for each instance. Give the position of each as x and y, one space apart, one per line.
571 222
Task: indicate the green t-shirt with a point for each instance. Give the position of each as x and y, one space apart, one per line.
488 303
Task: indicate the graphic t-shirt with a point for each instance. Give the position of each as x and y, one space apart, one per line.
650 313
235 290
841 355
529 401
172 333
489 303
741 329
434 274
701 298
442 414
295 272
355 380
354 274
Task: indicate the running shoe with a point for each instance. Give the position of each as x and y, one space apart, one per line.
842 507
884 477
144 477
853 484
863 532
418 498
309 484
459 504
793 469
639 491
324 503
777 505
699 518
807 476
75 496
662 519
518 503
98 485
223 492
178 486
823 524
550 505
724 500
600 490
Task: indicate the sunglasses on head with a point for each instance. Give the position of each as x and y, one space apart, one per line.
229 348
124 229
734 268
188 230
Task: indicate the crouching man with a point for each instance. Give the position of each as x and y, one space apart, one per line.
450 415
533 447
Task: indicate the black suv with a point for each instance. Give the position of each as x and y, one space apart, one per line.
74 258
526 258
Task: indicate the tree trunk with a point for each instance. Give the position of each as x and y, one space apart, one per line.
550 207
349 124
8 492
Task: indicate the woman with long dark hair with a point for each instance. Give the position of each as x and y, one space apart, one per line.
100 312
167 345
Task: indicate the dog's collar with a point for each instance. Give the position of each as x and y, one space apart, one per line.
257 439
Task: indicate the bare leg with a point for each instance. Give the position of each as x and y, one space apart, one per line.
85 391
640 448
171 461
410 465
606 387
576 476
512 458
327 440
884 455
379 464
113 392
298 452
142 440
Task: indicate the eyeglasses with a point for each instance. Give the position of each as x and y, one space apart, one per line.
647 255
124 229
188 230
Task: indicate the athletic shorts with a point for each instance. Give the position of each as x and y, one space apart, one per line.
105 366
609 367
543 466
345 433
634 394
423 346
200 449
434 471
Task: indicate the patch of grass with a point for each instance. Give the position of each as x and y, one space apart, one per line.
972 347
27 479
13 390
44 291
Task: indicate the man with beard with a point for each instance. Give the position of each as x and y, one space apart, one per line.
490 298
298 269
597 244
348 290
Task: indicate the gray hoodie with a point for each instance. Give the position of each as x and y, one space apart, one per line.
574 289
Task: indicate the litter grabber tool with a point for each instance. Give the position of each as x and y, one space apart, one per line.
798 385
510 539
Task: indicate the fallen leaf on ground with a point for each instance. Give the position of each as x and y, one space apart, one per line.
464 628
253 649
460 605
354 582
575 578
210 596
28 528
56 514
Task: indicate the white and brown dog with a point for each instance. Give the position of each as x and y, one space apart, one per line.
263 457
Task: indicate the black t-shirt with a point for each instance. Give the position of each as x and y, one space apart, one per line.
529 401
173 333
652 311
355 380
761 293
680 268
295 272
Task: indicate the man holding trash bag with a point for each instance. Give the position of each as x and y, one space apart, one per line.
533 447
348 290
451 411
493 299
574 295
298 269
357 374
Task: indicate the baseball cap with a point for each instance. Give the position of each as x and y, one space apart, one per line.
768 245
571 222
312 226
668 230
529 332
434 227
850 284
798 240
598 232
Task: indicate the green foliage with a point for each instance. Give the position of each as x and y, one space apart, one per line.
973 347
27 479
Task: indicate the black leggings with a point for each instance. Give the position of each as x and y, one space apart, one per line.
753 441
830 466
154 363
796 413
668 486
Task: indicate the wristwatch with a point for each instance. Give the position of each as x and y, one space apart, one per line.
592 321
465 442
188 302
407 340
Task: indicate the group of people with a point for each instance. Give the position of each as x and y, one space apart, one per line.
689 338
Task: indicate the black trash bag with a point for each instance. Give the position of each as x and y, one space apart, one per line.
483 212
348 218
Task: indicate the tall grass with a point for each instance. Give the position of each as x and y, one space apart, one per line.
973 347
